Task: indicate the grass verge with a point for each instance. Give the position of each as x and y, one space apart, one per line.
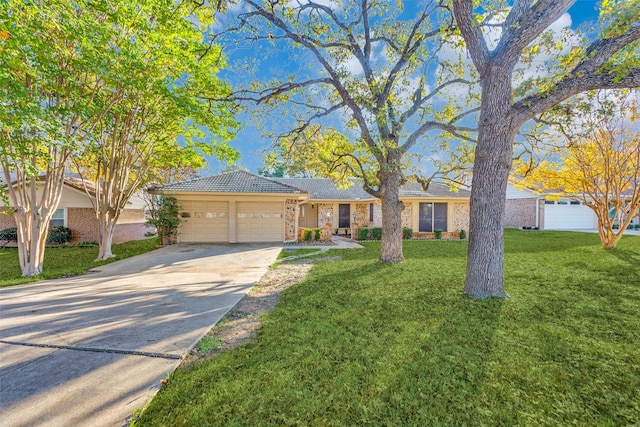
67 260
360 343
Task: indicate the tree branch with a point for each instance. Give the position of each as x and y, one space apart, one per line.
476 45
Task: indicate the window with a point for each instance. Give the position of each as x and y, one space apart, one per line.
549 202
573 202
370 212
562 202
58 218
432 216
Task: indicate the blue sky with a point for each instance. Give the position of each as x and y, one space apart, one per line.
252 145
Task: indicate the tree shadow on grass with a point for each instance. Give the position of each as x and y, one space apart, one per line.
442 382
418 348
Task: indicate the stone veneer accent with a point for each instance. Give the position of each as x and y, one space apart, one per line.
377 215
362 213
460 220
323 218
407 215
290 214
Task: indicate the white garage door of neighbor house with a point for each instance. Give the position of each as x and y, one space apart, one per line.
204 222
260 222
566 216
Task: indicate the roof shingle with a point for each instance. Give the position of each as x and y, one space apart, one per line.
231 182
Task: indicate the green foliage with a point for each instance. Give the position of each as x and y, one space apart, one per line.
363 233
376 233
165 217
316 234
437 233
59 235
9 234
307 234
208 344
403 346
407 233
463 234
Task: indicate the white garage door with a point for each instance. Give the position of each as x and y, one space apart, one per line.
568 216
260 222
204 222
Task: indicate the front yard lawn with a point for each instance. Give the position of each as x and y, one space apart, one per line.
66 260
360 343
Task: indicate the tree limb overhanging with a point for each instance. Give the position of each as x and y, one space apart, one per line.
374 69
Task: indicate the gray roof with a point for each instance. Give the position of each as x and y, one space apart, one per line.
325 189
231 182
317 188
413 189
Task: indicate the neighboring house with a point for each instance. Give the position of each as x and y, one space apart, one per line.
76 212
239 206
526 208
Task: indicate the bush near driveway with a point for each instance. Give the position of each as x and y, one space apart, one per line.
361 343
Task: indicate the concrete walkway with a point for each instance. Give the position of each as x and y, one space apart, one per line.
339 243
90 350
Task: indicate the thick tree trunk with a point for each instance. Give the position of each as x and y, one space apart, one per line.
493 157
391 245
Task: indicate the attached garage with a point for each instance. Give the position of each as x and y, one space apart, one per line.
204 221
236 207
568 215
260 222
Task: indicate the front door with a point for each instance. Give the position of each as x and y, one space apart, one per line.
344 214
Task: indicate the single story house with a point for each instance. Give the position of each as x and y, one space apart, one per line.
75 211
239 206
526 208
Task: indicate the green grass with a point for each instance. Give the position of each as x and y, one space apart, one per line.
291 252
66 260
360 343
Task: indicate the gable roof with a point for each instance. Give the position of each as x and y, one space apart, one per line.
325 189
231 182
70 180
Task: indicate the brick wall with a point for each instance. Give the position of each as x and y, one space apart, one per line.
132 231
520 213
7 221
84 224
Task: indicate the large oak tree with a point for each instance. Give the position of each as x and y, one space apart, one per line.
374 68
609 61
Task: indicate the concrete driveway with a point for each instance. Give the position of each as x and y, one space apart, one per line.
90 350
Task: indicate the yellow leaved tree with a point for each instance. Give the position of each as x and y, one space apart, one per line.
599 164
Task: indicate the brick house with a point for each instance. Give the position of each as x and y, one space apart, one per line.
76 212
239 206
